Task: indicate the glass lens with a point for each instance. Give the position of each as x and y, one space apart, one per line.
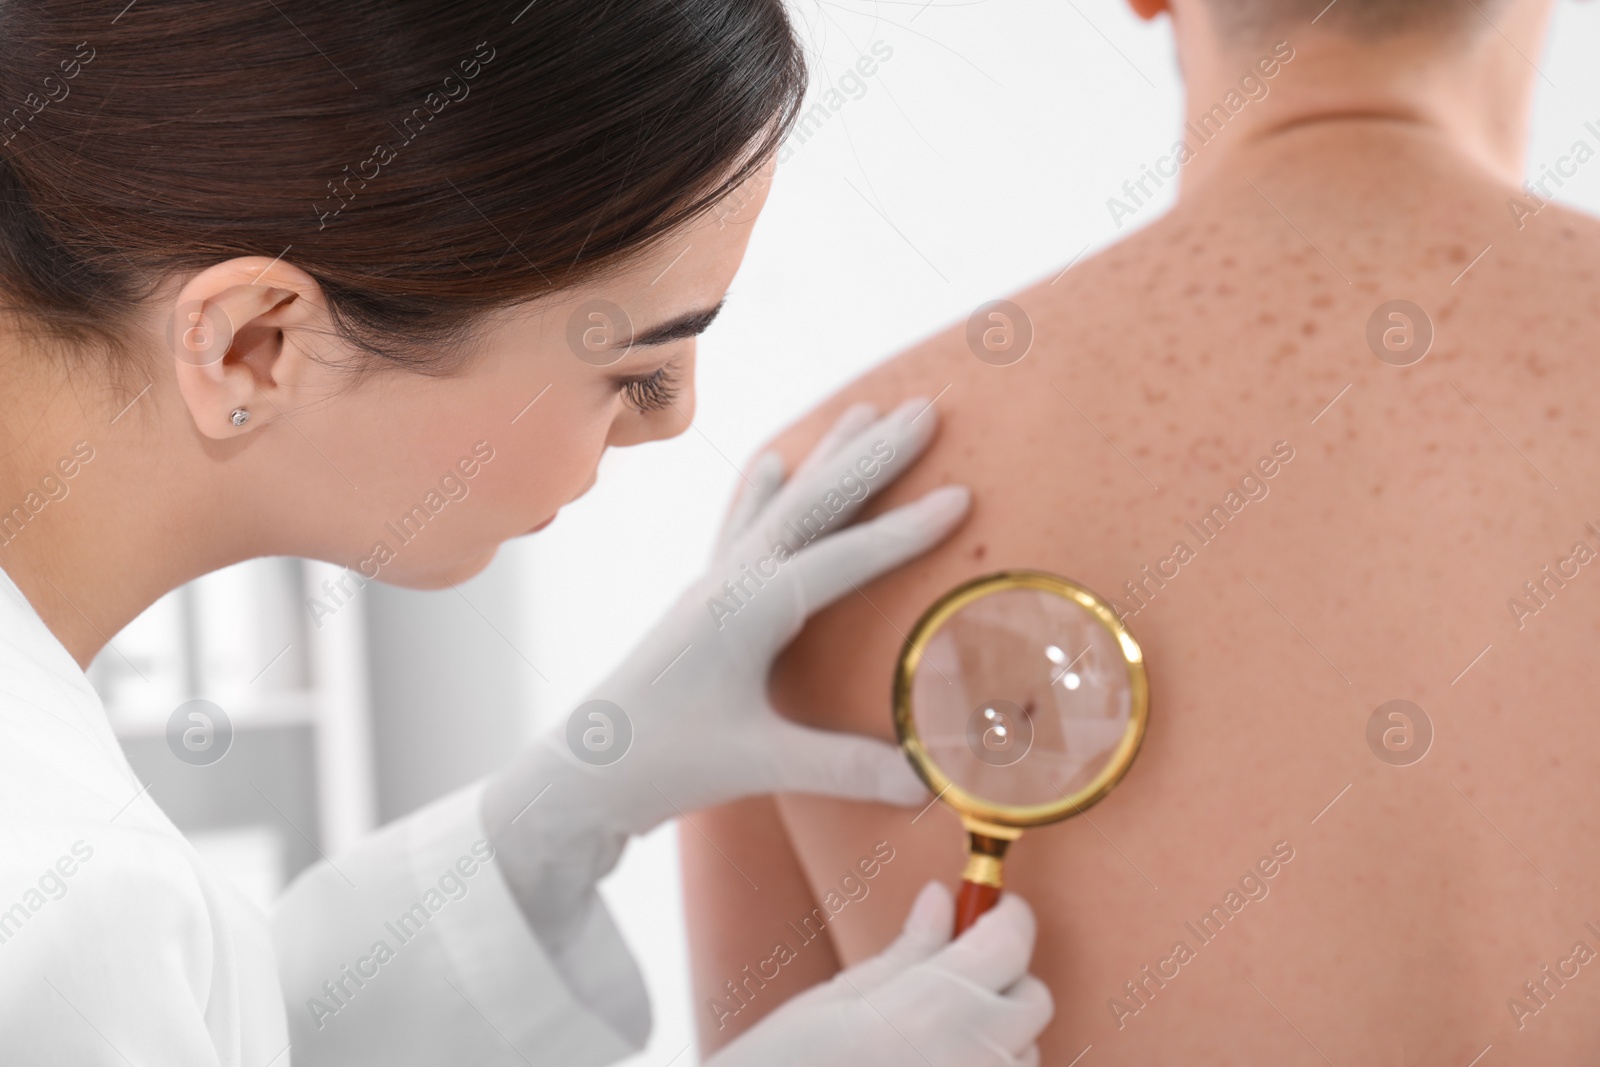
1022 697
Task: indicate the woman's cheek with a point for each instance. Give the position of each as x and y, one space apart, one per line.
560 464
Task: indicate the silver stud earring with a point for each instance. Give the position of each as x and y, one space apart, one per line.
240 416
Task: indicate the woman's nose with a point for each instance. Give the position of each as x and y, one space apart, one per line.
634 428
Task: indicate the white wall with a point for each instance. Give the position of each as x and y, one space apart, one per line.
978 159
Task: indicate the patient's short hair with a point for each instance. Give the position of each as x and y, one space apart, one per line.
1368 19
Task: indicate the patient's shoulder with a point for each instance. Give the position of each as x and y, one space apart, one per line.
1232 284
988 357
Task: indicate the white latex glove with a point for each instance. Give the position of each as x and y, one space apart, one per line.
926 1001
688 724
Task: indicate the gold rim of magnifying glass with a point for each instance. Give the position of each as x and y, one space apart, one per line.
1009 815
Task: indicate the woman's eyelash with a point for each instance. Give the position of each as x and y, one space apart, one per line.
657 392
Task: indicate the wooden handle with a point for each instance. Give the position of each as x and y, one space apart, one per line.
972 902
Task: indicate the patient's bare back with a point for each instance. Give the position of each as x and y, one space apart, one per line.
1326 435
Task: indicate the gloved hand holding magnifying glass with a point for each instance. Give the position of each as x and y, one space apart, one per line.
691 700
925 1001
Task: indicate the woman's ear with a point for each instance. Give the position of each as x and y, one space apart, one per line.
1148 9
239 333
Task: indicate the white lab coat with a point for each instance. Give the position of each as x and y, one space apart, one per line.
121 947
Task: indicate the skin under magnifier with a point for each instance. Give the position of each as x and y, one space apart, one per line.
1021 700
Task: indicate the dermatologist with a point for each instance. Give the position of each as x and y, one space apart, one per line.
282 281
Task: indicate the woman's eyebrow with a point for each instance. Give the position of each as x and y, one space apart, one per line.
688 325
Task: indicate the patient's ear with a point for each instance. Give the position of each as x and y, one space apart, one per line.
1148 9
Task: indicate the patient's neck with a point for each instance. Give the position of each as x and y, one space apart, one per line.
1381 163
1470 97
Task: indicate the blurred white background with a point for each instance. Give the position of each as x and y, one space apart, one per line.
977 158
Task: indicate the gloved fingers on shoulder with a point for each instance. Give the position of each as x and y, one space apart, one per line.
836 565
856 418
756 491
926 930
832 566
847 766
994 954
831 491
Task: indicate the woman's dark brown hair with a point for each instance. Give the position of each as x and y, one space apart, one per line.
424 160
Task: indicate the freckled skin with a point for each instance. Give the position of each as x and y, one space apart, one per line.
1377 568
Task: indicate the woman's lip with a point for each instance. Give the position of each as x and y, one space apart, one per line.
543 524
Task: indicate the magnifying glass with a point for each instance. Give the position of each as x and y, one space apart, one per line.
1021 700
